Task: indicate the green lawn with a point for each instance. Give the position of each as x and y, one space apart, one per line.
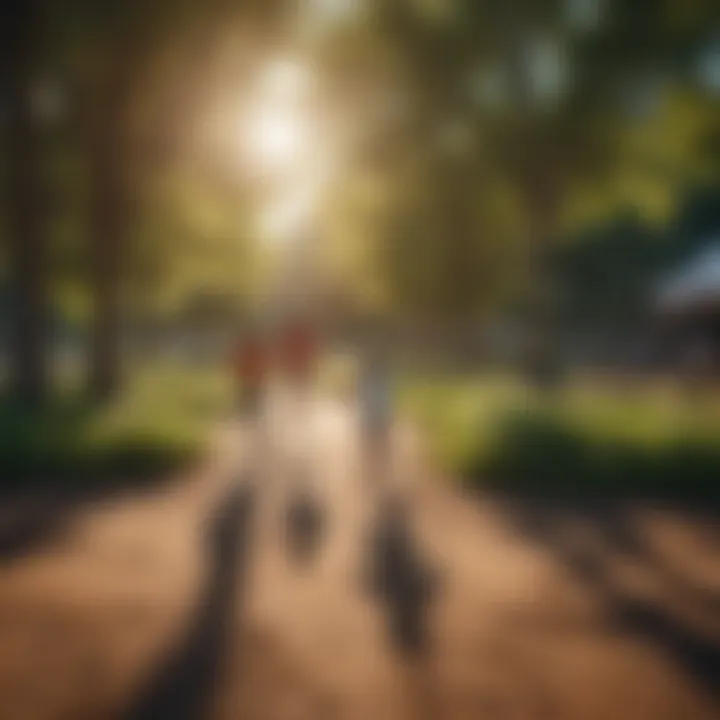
159 423
595 437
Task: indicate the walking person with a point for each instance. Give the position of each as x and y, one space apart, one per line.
250 366
304 522
298 356
299 353
376 416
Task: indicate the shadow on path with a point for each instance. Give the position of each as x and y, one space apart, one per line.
697 653
28 526
618 530
184 685
405 585
400 579
34 513
304 524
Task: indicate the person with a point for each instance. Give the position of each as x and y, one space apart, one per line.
299 352
375 396
250 369
297 357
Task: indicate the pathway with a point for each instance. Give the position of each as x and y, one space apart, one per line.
198 601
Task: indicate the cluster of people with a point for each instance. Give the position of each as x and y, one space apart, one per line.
293 352
396 573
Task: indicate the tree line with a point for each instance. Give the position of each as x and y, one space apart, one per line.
482 133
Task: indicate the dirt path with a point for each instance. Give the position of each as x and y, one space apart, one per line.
199 601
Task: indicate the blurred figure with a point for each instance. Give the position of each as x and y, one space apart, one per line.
305 519
375 414
298 357
250 366
299 353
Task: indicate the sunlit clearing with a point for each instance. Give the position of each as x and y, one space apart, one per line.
285 80
318 16
292 211
284 218
276 131
290 144
276 139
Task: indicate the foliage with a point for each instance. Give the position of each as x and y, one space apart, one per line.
539 454
474 134
597 438
159 424
482 162
607 273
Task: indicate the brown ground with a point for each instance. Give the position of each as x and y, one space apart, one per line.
186 603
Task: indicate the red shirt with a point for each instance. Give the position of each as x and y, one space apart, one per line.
250 363
299 348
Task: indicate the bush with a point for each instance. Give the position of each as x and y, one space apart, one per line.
589 441
158 425
539 455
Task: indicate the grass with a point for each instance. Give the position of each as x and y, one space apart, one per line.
594 438
159 424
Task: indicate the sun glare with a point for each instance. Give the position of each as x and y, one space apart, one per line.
282 141
276 130
277 139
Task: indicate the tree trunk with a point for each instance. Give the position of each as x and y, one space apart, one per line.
112 156
108 223
28 339
542 206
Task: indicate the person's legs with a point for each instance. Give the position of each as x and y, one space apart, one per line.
376 453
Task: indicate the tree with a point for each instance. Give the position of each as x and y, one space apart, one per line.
544 100
25 205
133 35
